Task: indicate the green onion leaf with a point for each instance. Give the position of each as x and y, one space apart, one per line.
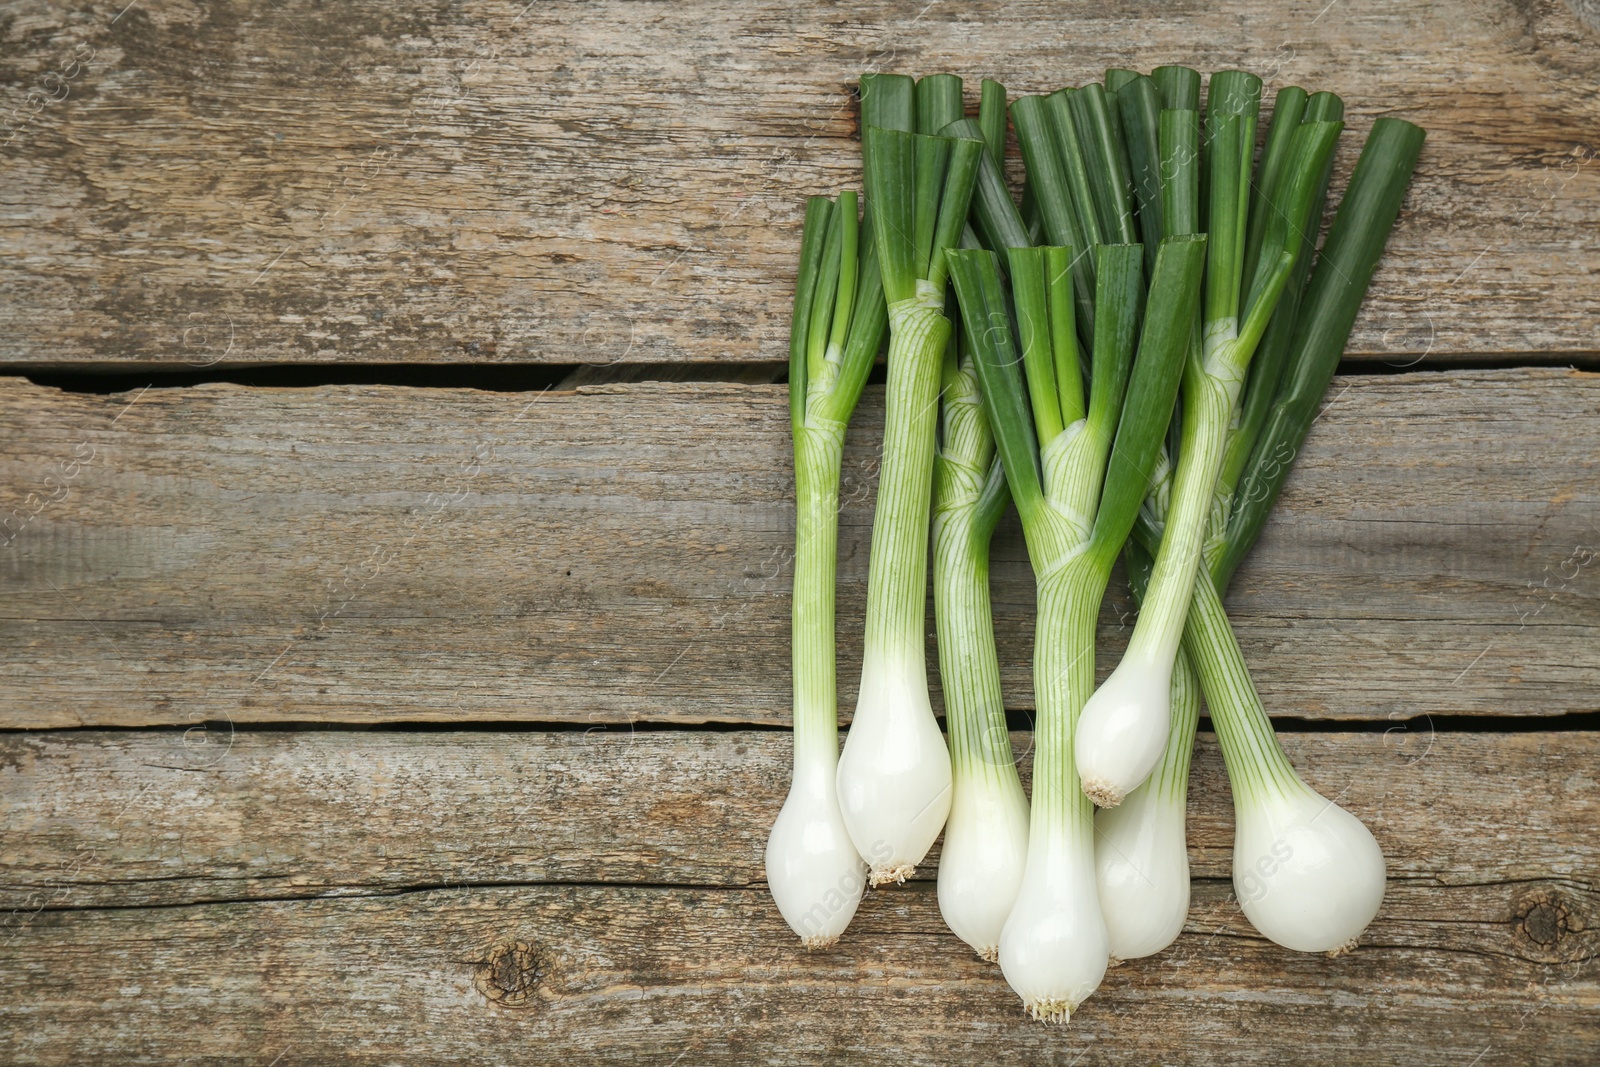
823 300
986 320
1229 191
849 263
1235 92
1178 133
813 236
1291 223
1139 102
888 101
951 230
938 102
869 323
1180 88
1119 297
1117 78
992 121
932 156
1029 292
1338 284
889 164
1100 136
994 214
1272 354
1069 149
1231 92
1169 318
1064 334
1051 196
1288 107
921 186
1323 107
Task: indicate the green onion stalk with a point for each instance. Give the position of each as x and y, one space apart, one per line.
813 870
1141 849
1077 461
986 836
894 776
1308 874
1126 724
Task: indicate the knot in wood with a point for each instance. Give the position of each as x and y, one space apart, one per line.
512 972
1544 917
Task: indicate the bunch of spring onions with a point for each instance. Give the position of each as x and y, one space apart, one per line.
1138 349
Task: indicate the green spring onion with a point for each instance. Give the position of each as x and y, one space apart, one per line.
1077 485
894 776
814 871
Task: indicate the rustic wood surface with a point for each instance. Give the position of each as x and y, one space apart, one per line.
367 554
263 575
331 897
205 184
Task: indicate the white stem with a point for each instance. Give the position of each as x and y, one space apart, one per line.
986 836
894 776
1124 727
985 853
1308 874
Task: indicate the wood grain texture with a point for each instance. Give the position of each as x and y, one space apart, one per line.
163 818
646 933
203 184
368 554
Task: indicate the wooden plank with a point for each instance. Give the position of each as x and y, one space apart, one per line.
645 975
606 182
373 554
159 819
667 946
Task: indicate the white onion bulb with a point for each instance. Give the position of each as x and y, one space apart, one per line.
1123 729
894 774
813 870
1142 868
985 853
1308 874
1053 949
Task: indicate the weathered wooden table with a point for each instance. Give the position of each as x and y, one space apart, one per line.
396 507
